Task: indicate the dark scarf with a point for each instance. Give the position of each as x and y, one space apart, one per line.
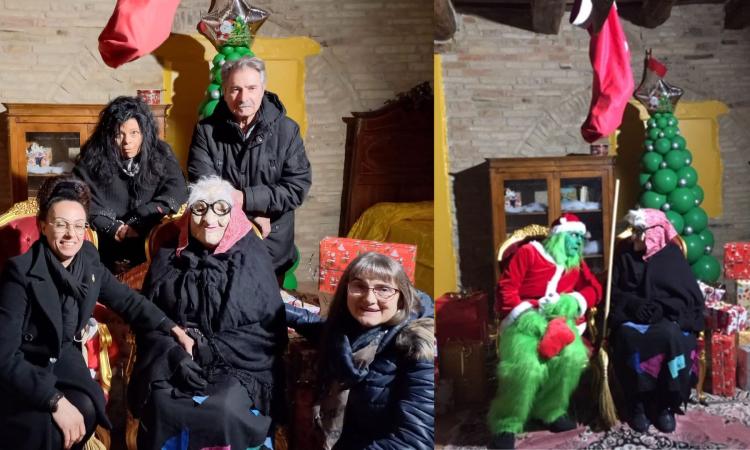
130 166
70 286
349 354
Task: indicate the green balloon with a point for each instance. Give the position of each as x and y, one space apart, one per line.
658 114
648 145
650 199
675 159
662 145
234 56
707 236
218 59
697 219
227 49
661 122
243 50
688 157
698 194
651 123
643 178
653 133
651 161
694 247
689 175
677 221
216 75
706 269
209 108
672 122
664 181
670 132
678 142
681 200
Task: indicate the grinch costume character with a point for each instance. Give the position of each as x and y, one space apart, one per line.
541 297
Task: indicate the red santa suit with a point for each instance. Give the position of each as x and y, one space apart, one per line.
533 279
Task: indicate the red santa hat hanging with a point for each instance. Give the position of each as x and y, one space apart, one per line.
568 223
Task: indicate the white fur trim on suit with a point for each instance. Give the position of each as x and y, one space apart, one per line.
582 304
581 327
515 313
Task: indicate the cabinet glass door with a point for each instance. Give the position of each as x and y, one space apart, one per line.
583 197
49 153
526 203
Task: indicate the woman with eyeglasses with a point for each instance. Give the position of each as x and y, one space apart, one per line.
377 386
134 177
47 295
217 282
657 313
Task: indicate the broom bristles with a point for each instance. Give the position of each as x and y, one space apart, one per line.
602 395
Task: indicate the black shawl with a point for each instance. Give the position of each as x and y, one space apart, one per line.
662 287
233 299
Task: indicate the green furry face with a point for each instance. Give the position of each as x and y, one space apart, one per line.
566 249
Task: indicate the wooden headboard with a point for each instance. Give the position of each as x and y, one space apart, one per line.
389 155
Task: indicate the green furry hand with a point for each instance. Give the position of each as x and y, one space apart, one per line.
531 323
566 307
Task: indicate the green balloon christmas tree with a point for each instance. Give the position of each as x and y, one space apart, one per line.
667 178
231 26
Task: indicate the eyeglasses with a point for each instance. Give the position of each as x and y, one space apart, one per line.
220 208
61 226
360 289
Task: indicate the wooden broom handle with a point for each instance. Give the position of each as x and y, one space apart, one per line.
610 257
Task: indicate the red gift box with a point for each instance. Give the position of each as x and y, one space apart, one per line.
737 260
461 317
721 357
725 318
336 253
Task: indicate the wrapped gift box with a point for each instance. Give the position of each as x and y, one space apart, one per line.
712 293
743 293
743 367
461 317
464 363
725 318
336 253
721 357
737 260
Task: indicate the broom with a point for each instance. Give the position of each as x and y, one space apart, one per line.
602 394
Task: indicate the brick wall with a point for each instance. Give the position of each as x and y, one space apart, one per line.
371 51
514 93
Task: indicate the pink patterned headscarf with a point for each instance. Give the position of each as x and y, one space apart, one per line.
239 225
658 229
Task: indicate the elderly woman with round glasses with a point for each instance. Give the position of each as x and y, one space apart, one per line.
47 296
218 283
377 353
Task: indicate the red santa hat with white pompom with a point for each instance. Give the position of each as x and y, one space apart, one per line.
568 223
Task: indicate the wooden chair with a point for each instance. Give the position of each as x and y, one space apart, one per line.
18 231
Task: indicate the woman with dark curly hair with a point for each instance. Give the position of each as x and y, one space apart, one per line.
134 177
47 295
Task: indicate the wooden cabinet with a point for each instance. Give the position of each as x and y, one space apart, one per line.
537 190
42 140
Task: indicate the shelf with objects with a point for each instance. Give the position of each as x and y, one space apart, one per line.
44 140
527 191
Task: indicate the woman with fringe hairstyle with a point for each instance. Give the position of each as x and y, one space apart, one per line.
135 180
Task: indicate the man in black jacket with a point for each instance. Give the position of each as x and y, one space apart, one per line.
250 142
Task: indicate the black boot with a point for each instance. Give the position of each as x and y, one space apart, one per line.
665 421
502 441
562 423
638 420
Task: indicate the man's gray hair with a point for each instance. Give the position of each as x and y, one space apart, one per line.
210 189
246 62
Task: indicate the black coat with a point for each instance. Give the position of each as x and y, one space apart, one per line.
233 298
34 363
393 407
270 167
124 200
662 287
